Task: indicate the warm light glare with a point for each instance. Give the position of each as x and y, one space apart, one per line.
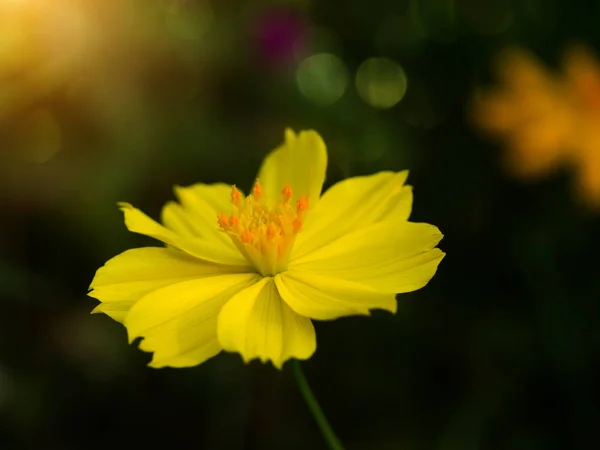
92 56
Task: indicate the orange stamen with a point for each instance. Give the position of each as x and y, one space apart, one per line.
271 231
302 203
287 192
234 221
264 233
258 190
247 237
297 225
223 220
236 196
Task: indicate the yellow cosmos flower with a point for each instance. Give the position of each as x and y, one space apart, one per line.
546 119
248 274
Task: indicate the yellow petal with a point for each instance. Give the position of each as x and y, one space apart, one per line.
387 257
301 162
127 277
353 204
179 322
207 249
324 298
178 220
115 310
257 323
197 214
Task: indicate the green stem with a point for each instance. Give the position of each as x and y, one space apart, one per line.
332 441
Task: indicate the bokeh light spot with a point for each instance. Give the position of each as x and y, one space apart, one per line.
323 78
381 82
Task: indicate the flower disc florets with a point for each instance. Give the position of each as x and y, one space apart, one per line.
264 232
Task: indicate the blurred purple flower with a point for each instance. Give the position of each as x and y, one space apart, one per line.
281 36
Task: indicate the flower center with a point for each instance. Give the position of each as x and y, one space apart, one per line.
264 233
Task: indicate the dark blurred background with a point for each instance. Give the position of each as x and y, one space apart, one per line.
118 100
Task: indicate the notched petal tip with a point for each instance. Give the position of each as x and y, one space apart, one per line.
181 192
131 337
393 308
433 231
264 360
289 134
437 255
156 365
128 211
123 206
403 175
278 365
436 263
313 137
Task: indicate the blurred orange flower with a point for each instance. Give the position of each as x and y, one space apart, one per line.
546 119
